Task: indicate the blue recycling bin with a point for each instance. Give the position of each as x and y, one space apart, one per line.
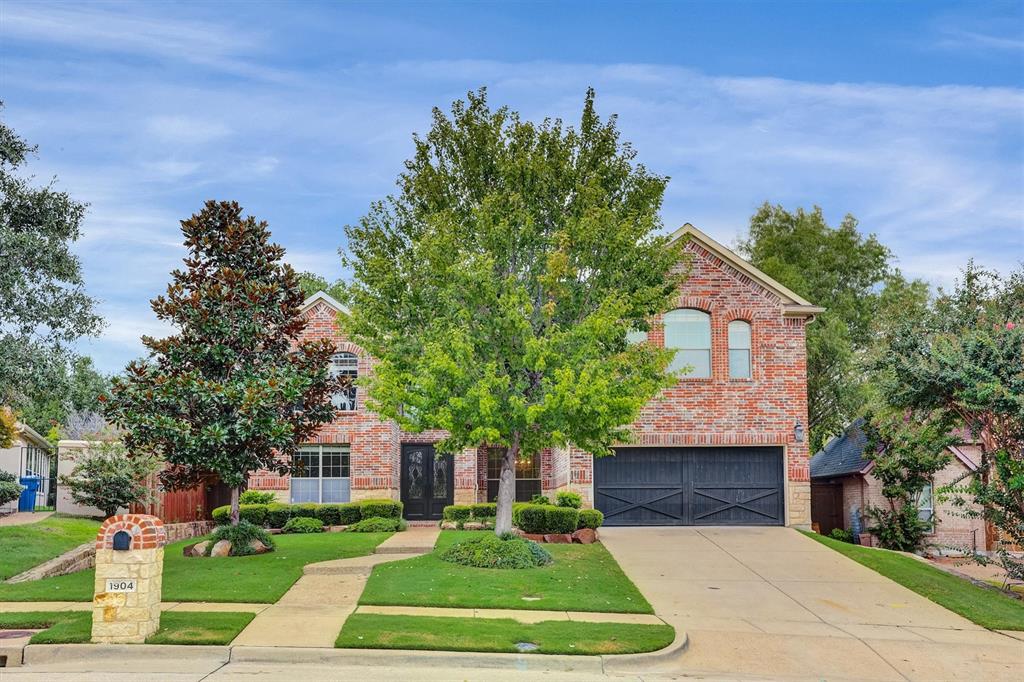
27 501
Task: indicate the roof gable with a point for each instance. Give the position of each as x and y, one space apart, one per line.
323 297
793 304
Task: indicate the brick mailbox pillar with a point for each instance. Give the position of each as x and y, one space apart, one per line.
129 570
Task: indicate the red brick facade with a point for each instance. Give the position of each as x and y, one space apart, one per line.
762 410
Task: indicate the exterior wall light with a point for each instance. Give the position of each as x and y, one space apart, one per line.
798 432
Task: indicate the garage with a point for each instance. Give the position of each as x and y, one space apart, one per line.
714 486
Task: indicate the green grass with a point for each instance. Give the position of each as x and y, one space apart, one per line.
260 579
985 607
368 631
73 627
22 547
582 578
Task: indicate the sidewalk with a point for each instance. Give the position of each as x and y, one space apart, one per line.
24 518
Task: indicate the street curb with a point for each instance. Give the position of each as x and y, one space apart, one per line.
653 661
413 658
38 654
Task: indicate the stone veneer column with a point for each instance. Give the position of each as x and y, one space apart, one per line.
130 611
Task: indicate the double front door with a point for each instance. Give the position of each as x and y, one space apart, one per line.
428 482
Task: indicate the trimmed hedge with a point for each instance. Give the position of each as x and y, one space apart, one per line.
567 498
590 518
457 512
344 514
278 514
386 509
531 518
303 524
484 510
306 509
561 519
256 514
378 524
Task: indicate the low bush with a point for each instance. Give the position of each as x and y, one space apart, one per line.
9 491
457 512
344 514
567 498
307 509
378 524
303 524
255 514
256 497
590 518
278 514
490 551
539 499
560 519
530 518
240 537
842 535
388 509
484 510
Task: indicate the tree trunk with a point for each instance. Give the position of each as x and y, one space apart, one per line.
234 505
507 488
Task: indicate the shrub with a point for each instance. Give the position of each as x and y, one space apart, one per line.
256 514
900 529
329 514
841 534
109 477
256 497
388 509
539 499
10 489
350 513
277 514
530 518
490 551
240 536
457 512
590 518
306 509
560 519
222 515
484 510
303 524
567 498
378 524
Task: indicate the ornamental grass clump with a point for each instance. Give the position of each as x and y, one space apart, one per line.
240 537
491 551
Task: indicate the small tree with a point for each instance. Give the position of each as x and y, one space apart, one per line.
964 358
497 288
108 477
907 451
233 391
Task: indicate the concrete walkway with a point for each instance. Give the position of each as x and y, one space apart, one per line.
771 603
23 518
312 612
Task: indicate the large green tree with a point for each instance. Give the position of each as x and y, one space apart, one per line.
963 357
853 277
233 391
310 283
43 304
497 286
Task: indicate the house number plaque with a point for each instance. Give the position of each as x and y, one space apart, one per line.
121 585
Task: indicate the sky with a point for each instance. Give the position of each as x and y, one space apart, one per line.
908 115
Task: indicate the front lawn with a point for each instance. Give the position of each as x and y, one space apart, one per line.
582 578
73 627
22 547
977 604
370 631
258 579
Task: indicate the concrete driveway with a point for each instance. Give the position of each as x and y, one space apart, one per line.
772 603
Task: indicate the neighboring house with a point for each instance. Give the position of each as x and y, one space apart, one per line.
29 455
726 445
842 487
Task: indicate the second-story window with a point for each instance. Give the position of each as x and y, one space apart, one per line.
689 332
739 349
345 365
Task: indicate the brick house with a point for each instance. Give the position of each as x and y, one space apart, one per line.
842 487
725 445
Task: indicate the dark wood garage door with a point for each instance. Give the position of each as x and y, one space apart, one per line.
690 487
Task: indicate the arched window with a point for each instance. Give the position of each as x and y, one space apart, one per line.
345 365
689 332
739 349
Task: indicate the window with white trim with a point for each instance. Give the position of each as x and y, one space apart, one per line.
689 332
345 365
739 349
926 506
320 473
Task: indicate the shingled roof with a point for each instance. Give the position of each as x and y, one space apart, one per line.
842 455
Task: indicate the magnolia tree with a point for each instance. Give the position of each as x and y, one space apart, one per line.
233 391
497 286
963 357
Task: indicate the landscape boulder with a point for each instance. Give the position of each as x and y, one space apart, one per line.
222 548
449 525
585 536
534 537
558 538
258 547
199 549
472 525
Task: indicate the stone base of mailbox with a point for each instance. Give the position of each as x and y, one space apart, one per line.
126 602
